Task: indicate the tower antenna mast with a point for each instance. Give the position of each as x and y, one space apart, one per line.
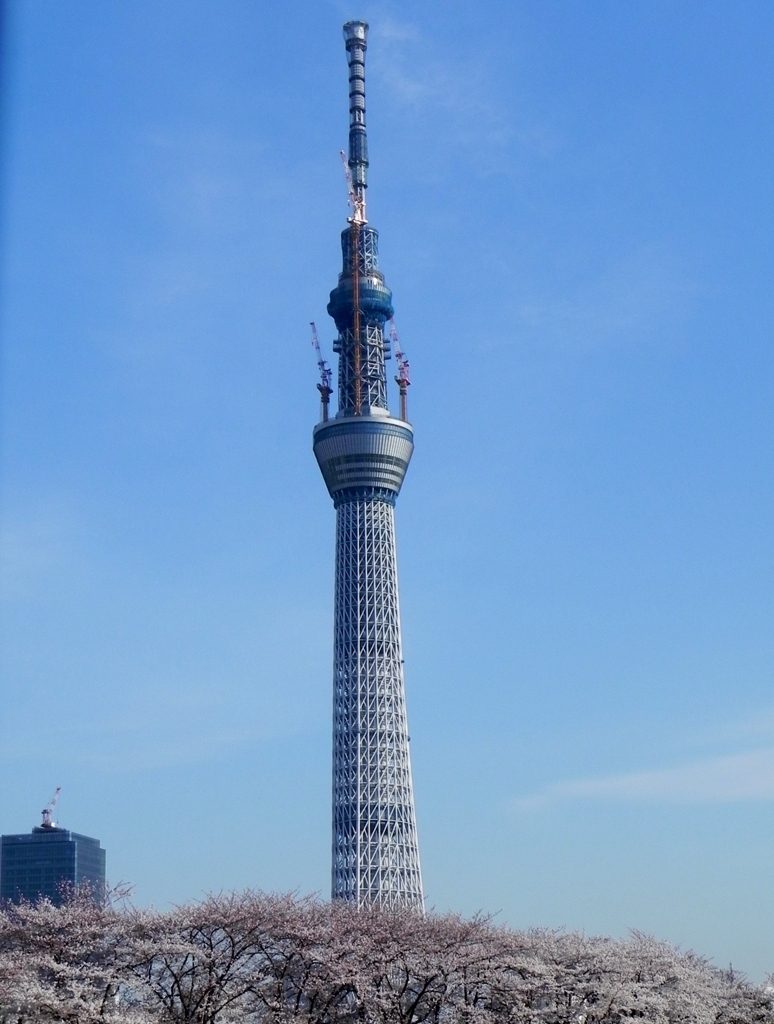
358 218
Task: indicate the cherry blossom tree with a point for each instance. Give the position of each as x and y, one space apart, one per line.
63 963
268 959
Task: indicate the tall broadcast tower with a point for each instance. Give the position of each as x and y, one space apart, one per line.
363 453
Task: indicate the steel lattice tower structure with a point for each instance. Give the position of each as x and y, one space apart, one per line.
363 453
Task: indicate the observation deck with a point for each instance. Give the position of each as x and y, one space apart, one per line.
363 456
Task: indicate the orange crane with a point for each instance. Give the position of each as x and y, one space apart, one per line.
402 379
324 387
47 811
358 218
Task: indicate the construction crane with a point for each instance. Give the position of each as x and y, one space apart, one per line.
356 197
402 379
357 203
324 387
47 811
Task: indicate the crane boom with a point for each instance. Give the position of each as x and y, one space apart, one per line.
402 379
356 196
47 811
324 387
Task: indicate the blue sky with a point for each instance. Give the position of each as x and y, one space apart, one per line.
575 210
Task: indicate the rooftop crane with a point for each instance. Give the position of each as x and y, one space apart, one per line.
402 379
324 387
47 811
357 203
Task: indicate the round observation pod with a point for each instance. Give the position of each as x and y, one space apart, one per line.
362 456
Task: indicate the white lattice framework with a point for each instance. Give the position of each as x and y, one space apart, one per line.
375 849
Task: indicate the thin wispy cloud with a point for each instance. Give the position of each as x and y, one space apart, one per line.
448 90
37 545
636 296
149 677
390 30
143 742
754 728
733 778
144 719
212 198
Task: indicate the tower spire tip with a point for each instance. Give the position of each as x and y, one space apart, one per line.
356 31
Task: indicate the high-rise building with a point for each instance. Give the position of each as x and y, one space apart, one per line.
44 863
363 453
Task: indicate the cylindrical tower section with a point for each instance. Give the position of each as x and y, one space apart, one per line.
363 455
361 302
355 33
375 306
